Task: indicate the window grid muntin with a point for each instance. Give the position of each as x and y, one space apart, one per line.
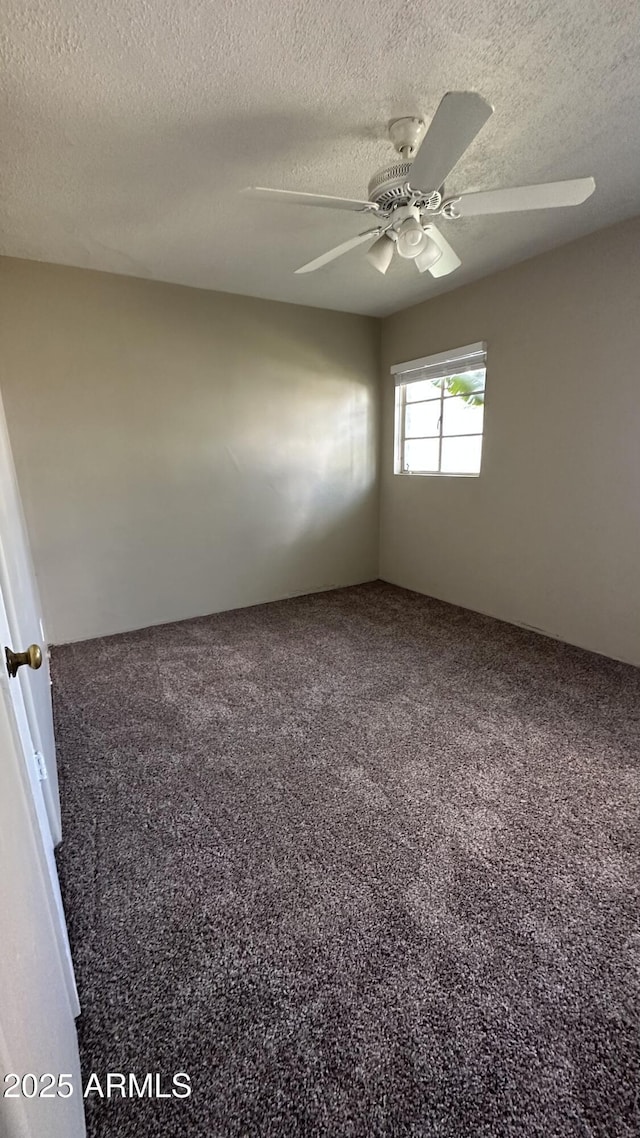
458 435
410 383
437 398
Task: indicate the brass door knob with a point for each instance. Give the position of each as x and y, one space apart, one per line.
15 660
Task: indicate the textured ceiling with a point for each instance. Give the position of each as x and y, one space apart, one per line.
130 124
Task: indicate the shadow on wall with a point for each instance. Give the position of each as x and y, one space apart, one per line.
324 462
194 451
259 483
284 503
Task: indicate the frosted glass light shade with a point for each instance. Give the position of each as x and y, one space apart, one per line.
411 238
381 253
428 255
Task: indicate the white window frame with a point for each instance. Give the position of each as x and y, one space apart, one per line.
471 357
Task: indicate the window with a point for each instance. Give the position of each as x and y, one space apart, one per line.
440 411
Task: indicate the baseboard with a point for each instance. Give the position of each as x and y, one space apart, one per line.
516 623
305 592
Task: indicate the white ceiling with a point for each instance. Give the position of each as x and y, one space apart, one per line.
130 124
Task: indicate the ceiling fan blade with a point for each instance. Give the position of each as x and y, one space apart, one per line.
449 261
457 121
545 196
292 197
339 250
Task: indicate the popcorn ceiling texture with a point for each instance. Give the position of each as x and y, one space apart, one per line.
363 864
128 127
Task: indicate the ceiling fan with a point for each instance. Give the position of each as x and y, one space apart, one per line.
406 198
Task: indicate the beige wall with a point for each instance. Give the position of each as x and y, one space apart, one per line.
549 534
181 452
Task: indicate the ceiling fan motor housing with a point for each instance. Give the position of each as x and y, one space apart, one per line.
390 187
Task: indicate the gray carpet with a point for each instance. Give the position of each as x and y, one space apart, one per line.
362 864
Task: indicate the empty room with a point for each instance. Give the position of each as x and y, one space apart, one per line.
320 570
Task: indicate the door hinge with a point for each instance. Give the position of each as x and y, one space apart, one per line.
42 766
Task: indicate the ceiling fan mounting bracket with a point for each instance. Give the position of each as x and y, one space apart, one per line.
406 135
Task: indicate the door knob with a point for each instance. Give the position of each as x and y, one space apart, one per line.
15 660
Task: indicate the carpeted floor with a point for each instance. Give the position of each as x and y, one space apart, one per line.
360 863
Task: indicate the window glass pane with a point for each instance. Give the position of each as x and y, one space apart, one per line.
461 456
421 454
426 389
460 417
422 418
465 383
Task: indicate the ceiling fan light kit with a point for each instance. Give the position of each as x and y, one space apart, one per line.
406 197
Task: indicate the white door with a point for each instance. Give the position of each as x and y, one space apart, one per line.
32 761
40 1081
22 602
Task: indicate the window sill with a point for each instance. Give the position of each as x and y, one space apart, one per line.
431 474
